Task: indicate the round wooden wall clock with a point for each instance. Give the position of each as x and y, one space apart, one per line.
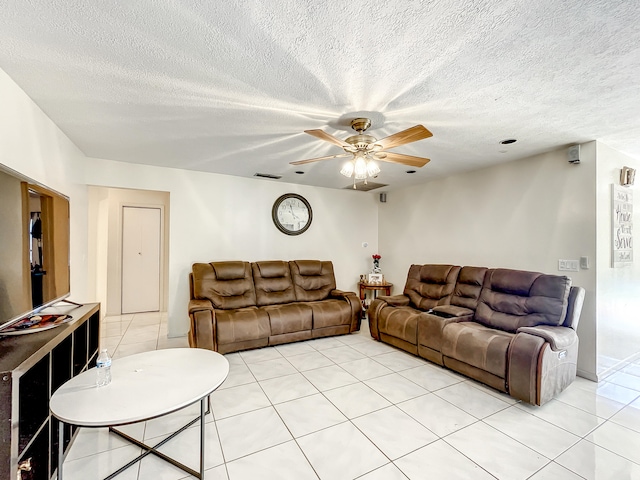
292 214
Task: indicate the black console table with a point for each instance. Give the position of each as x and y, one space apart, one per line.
32 368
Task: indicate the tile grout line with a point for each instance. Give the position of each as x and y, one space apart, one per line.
286 426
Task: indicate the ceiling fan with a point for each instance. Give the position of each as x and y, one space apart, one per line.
365 149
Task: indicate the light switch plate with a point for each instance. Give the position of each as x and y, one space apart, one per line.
568 265
584 263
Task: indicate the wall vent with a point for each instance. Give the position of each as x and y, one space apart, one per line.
268 175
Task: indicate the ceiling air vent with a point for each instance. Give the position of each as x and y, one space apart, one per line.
268 175
362 187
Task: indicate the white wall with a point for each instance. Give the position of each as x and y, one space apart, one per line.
618 288
219 217
523 215
31 144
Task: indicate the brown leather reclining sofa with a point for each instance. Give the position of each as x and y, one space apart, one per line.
510 329
241 305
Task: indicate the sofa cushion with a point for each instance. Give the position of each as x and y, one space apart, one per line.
229 270
329 313
511 299
430 285
478 346
289 318
227 285
468 287
239 325
273 269
313 280
309 267
273 283
400 322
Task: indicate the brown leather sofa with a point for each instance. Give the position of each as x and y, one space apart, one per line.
513 330
241 305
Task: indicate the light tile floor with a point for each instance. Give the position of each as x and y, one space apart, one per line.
348 407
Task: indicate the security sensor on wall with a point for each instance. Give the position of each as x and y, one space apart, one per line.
573 154
627 176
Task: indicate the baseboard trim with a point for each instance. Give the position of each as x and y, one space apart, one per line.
602 375
588 375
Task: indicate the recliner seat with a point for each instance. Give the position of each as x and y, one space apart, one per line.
427 286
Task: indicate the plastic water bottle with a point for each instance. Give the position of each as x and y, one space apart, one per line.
103 368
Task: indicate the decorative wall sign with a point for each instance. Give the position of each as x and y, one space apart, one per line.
622 216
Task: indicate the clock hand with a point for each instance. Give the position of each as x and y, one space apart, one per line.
293 214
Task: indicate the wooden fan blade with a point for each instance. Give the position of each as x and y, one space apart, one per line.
302 162
322 135
409 135
404 159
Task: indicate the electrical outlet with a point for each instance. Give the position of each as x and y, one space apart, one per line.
584 263
568 265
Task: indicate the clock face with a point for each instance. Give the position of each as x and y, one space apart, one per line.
292 214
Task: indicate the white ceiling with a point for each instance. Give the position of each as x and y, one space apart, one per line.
229 87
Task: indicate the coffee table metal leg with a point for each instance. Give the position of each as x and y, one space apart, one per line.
154 450
60 448
202 425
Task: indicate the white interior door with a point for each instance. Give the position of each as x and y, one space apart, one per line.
141 232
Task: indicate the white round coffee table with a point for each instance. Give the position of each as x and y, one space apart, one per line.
143 386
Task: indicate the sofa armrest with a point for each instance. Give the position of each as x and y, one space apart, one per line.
395 300
377 305
372 313
542 362
522 367
199 305
202 328
560 338
341 293
354 302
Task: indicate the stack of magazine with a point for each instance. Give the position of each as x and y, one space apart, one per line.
36 323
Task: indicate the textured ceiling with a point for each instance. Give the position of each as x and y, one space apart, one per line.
229 87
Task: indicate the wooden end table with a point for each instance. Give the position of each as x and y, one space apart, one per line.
143 386
374 288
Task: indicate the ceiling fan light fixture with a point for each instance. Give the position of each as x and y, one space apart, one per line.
347 169
372 168
360 168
